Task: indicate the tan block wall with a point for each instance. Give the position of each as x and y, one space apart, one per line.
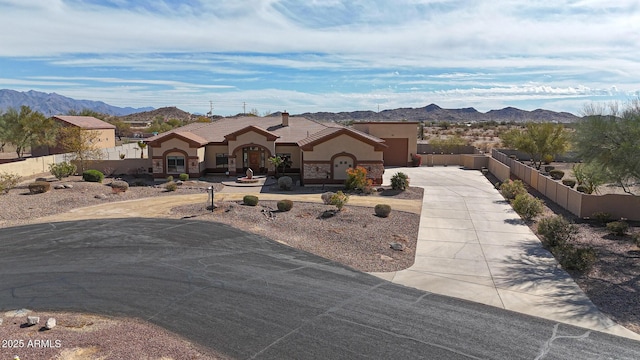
119 167
499 170
440 160
296 154
474 162
29 166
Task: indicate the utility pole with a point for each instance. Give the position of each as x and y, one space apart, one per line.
210 113
244 108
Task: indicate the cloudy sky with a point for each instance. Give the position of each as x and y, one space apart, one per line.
324 55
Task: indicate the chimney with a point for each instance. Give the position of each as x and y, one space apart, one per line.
285 118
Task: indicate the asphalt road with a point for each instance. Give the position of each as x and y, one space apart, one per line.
250 297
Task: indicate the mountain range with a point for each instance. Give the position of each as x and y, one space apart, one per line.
54 104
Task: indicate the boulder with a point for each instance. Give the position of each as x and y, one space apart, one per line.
101 196
50 324
68 186
59 186
397 246
33 320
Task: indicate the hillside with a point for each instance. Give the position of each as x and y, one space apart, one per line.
165 113
55 104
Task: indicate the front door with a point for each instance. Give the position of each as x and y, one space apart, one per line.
340 166
254 160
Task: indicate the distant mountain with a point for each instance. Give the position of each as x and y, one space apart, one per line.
54 104
165 113
435 113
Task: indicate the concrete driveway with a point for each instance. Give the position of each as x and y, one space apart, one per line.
473 246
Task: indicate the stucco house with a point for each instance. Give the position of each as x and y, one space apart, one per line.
319 152
105 139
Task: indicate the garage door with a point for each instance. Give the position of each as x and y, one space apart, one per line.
396 153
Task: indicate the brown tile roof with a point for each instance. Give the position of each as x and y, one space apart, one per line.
84 122
214 132
330 132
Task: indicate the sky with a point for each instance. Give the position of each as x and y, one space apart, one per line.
324 55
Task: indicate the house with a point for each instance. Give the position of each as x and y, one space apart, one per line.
105 139
319 152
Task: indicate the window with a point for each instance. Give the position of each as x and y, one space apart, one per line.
175 164
222 160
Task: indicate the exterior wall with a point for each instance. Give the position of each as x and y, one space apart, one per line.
194 157
296 155
106 138
119 167
343 144
210 157
251 138
407 130
439 160
499 170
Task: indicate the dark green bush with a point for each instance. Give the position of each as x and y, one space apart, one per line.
556 230
39 187
285 205
171 186
572 258
169 178
569 182
183 177
62 170
635 237
399 181
119 186
556 174
512 188
582 189
382 210
527 206
601 217
618 228
250 200
549 168
93 176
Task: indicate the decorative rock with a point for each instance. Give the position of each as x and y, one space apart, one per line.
33 320
397 246
249 173
41 179
179 182
68 186
101 196
0 321
51 323
385 258
60 186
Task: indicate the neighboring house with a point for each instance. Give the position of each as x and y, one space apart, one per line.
319 152
106 138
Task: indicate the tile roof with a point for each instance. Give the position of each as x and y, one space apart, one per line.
330 132
84 122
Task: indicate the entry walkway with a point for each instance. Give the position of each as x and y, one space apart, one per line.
473 246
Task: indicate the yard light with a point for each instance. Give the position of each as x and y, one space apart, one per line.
210 192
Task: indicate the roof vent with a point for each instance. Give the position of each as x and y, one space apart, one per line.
285 118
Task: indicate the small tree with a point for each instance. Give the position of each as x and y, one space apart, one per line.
276 161
82 144
26 128
538 140
589 176
142 145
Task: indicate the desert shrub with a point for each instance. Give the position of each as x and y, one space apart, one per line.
8 181
569 182
169 178
62 170
556 174
339 199
326 197
512 188
556 230
120 186
573 258
171 186
285 183
93 176
250 200
382 210
618 228
183 177
635 238
549 168
39 187
357 179
582 189
547 159
285 205
399 181
601 217
527 206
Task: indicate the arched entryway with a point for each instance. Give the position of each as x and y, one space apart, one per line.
254 157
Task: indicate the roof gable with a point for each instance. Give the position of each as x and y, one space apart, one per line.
84 122
192 139
252 128
308 143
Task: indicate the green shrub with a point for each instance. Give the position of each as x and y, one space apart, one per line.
549 168
62 170
510 189
93 176
119 186
39 187
250 200
285 183
171 186
556 174
326 197
618 228
183 177
527 206
583 189
285 205
569 182
399 181
382 210
602 217
547 159
556 230
8 181
572 258
169 178
339 199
